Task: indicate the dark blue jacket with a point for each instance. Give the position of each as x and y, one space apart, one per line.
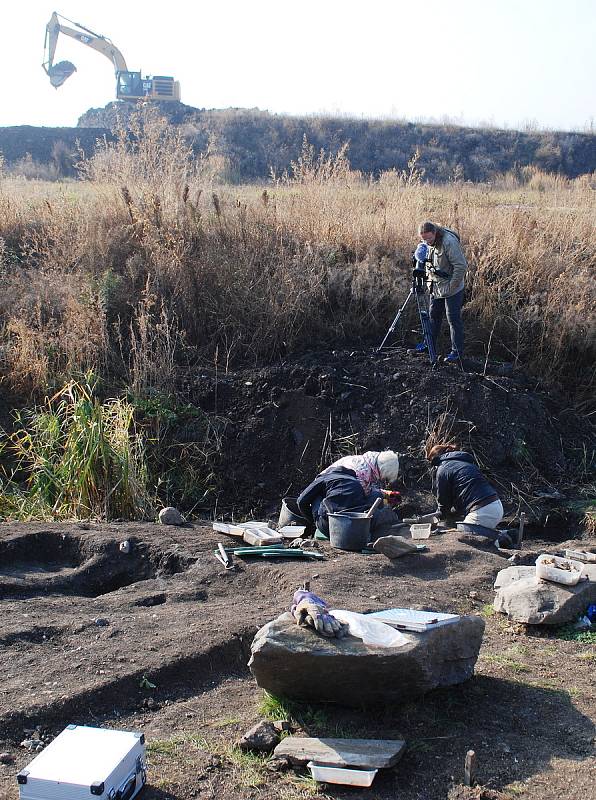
459 484
341 490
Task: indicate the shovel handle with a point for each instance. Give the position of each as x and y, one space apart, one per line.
378 502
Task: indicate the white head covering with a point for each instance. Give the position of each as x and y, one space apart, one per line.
388 462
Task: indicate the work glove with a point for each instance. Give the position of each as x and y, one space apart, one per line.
391 498
310 610
421 252
306 542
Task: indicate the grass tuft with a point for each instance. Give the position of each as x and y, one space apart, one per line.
80 458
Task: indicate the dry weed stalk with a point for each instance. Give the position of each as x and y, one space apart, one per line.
440 430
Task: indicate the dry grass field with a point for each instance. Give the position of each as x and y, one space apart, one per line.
148 263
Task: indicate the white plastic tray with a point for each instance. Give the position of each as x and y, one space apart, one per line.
581 555
559 570
344 775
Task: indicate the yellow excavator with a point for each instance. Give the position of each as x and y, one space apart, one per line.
129 85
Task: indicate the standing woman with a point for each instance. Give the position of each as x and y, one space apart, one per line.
441 253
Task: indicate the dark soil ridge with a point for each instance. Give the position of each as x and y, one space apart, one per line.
255 142
92 565
182 677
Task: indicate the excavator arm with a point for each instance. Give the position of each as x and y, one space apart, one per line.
58 73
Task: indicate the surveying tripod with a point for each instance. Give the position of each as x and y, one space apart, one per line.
418 291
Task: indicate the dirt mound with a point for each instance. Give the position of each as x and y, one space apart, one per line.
287 421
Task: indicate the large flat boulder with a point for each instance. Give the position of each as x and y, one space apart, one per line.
527 599
296 663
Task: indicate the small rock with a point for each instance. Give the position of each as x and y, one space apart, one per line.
6 758
101 622
473 595
262 737
124 547
282 725
171 516
281 764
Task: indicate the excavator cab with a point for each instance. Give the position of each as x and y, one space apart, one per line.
129 86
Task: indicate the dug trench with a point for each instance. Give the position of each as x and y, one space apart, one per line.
155 635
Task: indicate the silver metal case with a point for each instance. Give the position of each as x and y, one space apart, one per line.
82 763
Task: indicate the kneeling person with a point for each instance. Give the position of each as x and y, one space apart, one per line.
459 485
352 483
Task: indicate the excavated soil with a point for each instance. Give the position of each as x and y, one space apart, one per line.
155 636
283 423
158 638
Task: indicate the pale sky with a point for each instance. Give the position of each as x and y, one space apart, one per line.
509 63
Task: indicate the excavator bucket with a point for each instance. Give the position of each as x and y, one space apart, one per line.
60 72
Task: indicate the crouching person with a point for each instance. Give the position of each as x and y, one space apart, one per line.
459 486
353 483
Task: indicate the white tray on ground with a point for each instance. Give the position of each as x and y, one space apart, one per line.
409 619
344 775
292 531
581 555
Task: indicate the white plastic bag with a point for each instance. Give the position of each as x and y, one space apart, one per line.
371 631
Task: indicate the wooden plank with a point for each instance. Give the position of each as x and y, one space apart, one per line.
470 768
369 753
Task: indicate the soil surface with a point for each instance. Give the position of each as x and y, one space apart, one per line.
157 639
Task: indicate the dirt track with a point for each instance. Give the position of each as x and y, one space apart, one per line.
83 623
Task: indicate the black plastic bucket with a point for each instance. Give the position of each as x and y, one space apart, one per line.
290 513
349 530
